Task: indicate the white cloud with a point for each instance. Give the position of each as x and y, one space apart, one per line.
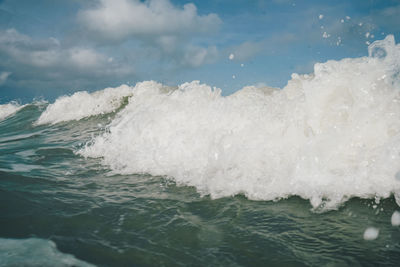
47 60
46 53
121 19
167 43
84 57
248 50
3 76
165 32
388 17
197 56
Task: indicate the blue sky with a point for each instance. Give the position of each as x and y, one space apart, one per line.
49 48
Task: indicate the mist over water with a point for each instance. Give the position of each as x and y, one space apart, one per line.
157 175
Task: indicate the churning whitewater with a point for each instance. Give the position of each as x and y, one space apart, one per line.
326 137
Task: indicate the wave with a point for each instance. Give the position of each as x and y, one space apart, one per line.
35 252
326 137
9 109
83 104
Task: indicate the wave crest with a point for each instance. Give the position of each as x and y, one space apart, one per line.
83 104
9 109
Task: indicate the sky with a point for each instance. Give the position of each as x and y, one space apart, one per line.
50 48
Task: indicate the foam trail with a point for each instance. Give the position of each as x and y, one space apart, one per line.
9 109
83 104
325 137
35 252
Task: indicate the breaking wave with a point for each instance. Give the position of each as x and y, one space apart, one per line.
83 104
326 137
9 109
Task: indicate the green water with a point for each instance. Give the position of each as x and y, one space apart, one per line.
49 192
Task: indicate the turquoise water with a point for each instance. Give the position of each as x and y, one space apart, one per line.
67 210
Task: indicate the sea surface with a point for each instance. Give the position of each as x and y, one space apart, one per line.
152 175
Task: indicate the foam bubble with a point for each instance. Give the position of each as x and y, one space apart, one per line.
326 137
9 109
35 252
395 220
83 104
371 233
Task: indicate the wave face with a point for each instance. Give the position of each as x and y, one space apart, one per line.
83 104
9 109
326 137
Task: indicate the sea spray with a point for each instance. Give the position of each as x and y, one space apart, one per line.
326 137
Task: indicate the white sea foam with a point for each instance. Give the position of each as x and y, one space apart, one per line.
35 252
325 137
83 104
9 109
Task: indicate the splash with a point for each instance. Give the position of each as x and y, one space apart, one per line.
326 137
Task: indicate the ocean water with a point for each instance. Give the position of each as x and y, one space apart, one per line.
151 175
